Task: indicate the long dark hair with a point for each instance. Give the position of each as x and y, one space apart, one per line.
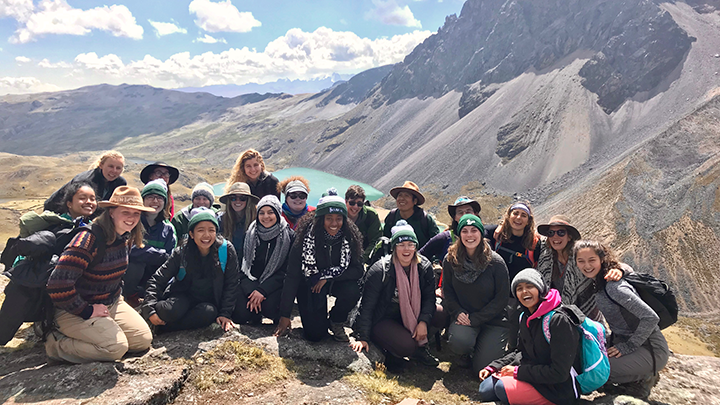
70 192
317 224
608 260
193 259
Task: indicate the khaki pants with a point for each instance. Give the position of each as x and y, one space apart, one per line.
98 339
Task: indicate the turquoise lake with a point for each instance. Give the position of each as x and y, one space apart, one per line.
319 183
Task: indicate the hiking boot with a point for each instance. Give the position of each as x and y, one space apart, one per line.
338 332
423 356
464 361
394 364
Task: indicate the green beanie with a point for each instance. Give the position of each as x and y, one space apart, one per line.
472 220
402 232
200 214
331 203
155 187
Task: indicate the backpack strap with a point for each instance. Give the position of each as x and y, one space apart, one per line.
546 325
222 256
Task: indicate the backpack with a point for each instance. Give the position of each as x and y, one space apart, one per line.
382 248
222 256
657 294
424 222
528 255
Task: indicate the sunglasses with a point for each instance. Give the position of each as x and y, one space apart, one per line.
559 232
296 196
238 198
353 203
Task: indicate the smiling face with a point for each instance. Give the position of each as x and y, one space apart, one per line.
155 202
333 223
528 295
297 201
201 201
518 221
354 206
125 219
405 201
471 238
462 210
160 173
405 252
238 202
112 168
204 235
556 241
588 262
83 203
267 217
253 169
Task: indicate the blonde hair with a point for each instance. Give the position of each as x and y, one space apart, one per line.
283 183
230 218
111 154
105 222
238 171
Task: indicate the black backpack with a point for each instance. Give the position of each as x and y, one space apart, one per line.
657 294
381 249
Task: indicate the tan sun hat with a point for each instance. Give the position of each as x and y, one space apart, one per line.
559 220
238 188
411 188
128 197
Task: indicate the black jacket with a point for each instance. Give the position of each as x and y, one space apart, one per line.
274 282
103 189
266 185
379 290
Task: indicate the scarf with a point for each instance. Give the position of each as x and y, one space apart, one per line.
469 272
254 234
309 264
290 215
409 295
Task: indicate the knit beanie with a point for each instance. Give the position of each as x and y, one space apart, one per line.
402 232
531 276
272 202
157 186
205 190
470 220
200 214
331 203
294 186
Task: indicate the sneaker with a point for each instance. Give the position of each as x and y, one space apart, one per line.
423 356
464 361
338 332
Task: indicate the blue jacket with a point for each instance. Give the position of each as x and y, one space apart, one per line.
159 240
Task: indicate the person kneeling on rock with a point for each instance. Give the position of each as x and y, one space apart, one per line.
204 270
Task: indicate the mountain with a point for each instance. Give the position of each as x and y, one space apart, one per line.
279 86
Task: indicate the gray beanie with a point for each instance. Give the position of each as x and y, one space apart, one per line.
270 201
204 189
531 276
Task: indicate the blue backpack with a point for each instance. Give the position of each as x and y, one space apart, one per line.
222 255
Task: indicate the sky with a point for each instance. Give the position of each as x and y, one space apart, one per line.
51 45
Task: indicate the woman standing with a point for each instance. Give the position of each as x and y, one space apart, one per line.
161 170
326 259
250 168
93 322
296 190
264 264
476 289
240 211
638 350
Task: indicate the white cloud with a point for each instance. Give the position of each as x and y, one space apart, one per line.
45 63
210 40
111 63
163 28
222 17
17 9
22 59
21 85
58 17
391 13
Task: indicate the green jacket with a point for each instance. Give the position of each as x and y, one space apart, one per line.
416 221
32 222
181 222
368 222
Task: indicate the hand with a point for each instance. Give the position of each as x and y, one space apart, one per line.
498 231
613 352
463 319
484 374
420 334
254 300
439 293
99 311
226 323
155 320
317 287
283 327
614 275
507 371
359 345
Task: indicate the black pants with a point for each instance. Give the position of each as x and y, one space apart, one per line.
392 336
22 304
269 308
136 277
313 306
514 309
180 312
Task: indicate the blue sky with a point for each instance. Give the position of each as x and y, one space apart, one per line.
60 44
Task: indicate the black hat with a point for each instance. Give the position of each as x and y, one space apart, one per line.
147 171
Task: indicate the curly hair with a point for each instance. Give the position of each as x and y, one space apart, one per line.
457 254
283 183
111 154
316 224
529 236
70 192
608 260
238 171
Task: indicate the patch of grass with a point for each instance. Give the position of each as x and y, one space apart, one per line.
708 331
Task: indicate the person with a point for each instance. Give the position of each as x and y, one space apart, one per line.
93 321
161 170
250 168
365 218
240 211
202 195
79 202
296 190
398 302
408 200
544 375
205 272
475 290
326 259
264 264
638 350
159 240
104 175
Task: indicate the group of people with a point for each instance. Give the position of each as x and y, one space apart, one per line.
136 267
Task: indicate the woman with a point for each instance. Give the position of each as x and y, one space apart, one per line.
79 202
202 195
398 302
240 211
161 170
104 175
638 350
365 218
159 239
264 264
326 259
205 272
296 190
476 288
250 168
544 376
93 321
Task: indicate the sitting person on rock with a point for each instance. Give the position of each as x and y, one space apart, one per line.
326 259
93 321
264 264
398 302
250 169
365 218
408 200
205 272
296 190
202 195
161 170
637 349
239 212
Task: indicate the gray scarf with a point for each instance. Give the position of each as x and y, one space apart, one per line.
469 272
255 233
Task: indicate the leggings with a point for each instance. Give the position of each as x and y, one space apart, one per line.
181 312
508 390
313 306
393 337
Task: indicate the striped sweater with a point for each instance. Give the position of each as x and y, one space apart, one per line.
74 287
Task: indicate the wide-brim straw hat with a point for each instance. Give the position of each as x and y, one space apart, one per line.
463 200
411 188
238 188
559 220
128 197
149 169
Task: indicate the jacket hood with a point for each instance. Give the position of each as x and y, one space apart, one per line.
551 301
